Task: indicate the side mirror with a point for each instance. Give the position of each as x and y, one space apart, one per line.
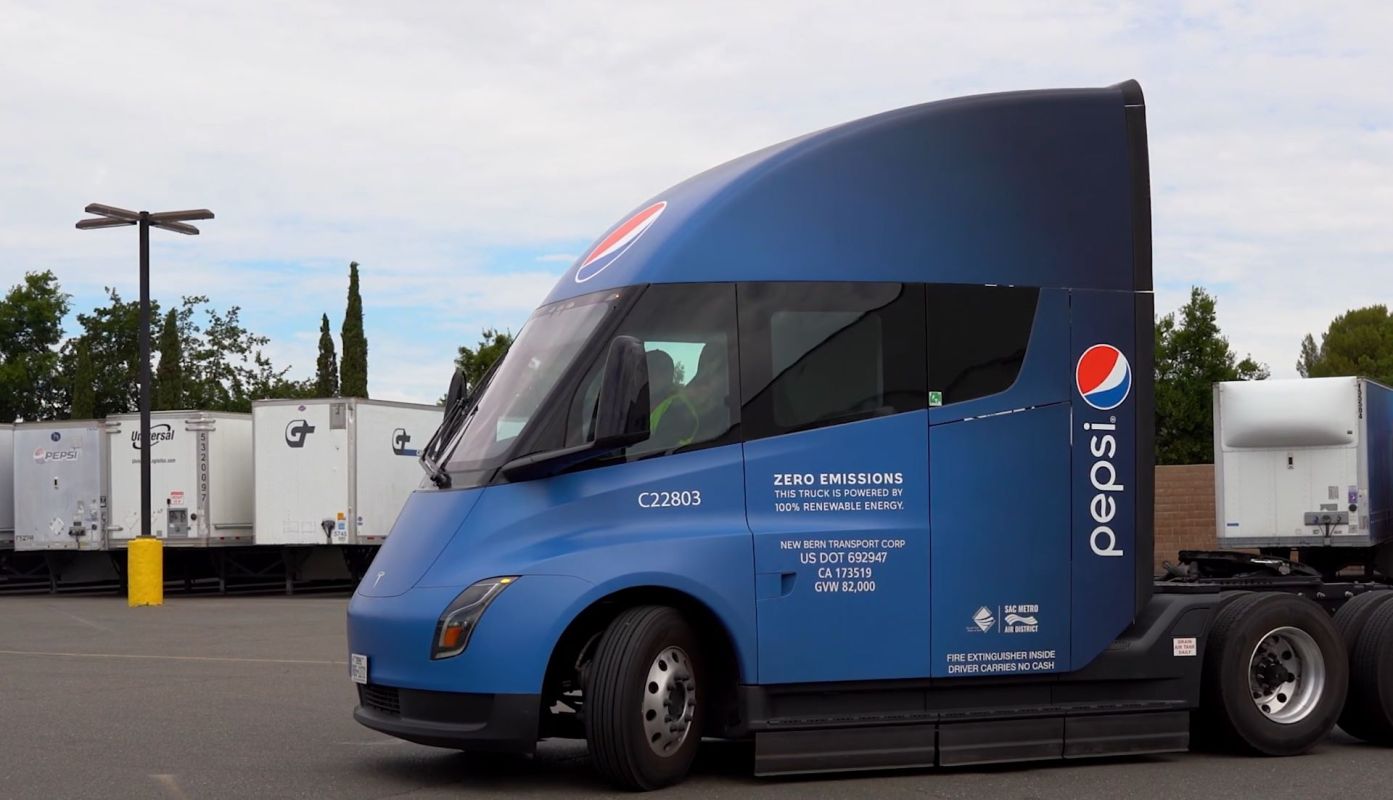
624 407
459 389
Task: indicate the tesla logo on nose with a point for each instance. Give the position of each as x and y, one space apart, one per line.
400 440
296 432
379 578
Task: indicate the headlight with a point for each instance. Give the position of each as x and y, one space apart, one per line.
459 619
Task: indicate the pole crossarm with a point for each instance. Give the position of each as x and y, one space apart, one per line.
113 212
103 222
180 216
177 227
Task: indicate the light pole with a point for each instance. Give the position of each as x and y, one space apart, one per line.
177 221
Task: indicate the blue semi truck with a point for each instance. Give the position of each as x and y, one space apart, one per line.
845 447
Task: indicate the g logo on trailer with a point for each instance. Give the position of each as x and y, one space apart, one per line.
1103 377
400 440
618 241
296 431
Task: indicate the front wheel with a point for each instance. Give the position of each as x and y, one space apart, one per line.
643 708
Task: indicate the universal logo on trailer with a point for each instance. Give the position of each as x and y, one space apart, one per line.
162 432
1104 379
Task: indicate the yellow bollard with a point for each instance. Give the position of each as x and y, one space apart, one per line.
145 572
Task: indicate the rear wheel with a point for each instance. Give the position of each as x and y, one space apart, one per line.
1369 713
1350 619
644 708
1275 675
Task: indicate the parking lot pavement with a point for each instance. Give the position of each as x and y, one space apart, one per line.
249 697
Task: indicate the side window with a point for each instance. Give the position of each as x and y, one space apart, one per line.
977 338
817 354
688 331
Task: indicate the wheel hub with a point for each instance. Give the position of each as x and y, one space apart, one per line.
1286 675
669 701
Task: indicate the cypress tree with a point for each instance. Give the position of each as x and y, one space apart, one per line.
353 366
84 404
326 375
169 375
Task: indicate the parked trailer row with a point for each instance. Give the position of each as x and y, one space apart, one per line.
301 472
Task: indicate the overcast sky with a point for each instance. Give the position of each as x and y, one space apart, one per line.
465 153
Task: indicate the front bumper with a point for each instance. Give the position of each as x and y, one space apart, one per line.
504 723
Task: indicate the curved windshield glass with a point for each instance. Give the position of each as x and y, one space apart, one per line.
544 350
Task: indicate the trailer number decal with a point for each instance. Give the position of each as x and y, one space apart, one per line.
1184 646
204 521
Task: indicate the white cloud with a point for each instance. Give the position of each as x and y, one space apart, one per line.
424 140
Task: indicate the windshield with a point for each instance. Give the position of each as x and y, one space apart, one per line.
545 349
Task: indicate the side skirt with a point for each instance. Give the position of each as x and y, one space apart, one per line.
1133 699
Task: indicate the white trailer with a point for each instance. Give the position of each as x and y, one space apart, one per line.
7 486
200 478
60 485
336 470
1303 463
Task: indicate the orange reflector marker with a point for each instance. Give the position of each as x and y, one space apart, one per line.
450 636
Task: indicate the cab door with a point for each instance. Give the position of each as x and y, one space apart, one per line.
836 478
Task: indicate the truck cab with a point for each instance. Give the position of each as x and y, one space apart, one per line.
843 446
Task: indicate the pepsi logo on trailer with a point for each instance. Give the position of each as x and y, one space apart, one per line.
1103 377
618 241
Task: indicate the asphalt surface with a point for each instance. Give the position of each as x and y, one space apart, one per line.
249 697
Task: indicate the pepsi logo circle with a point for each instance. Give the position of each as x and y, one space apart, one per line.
618 241
1103 377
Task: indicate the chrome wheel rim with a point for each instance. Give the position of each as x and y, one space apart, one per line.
669 701
1286 675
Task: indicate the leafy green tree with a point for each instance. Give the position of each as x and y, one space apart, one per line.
1358 342
31 327
1191 356
221 366
169 375
225 368
326 373
475 362
353 366
111 334
84 398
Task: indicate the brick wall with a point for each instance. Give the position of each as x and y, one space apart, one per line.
1184 510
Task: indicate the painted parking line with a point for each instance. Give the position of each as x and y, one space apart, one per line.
171 786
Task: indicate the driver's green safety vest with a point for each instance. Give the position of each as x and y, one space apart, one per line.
657 416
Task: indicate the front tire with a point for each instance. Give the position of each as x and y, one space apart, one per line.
1275 675
643 717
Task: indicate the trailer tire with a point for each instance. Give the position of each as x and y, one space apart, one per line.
648 659
1369 712
1275 675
